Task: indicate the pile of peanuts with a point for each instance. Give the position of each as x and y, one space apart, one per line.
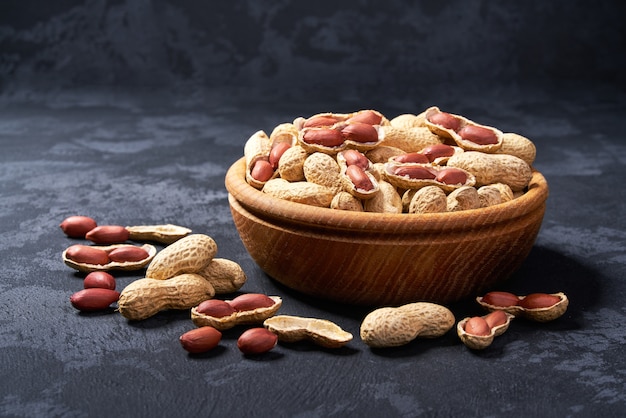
414 163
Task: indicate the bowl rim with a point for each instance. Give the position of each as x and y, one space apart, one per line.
269 207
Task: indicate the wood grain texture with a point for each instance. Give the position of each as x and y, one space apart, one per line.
385 259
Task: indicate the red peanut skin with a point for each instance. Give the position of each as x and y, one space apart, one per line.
367 116
432 152
451 176
87 255
215 308
257 341
324 137
478 135
446 120
99 279
539 300
320 121
277 151
94 299
360 132
251 301
128 253
477 326
77 226
354 157
108 234
501 299
412 157
200 340
262 170
496 318
414 172
359 178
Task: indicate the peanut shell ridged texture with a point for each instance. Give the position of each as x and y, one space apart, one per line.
392 327
489 196
299 192
187 255
257 147
345 201
165 234
494 168
382 154
407 121
284 132
226 276
463 198
387 200
409 140
146 297
519 146
429 199
291 164
322 169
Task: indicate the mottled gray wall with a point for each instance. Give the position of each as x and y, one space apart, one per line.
307 46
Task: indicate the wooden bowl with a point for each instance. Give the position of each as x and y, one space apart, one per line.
374 259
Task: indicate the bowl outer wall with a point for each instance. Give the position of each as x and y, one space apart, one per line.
385 259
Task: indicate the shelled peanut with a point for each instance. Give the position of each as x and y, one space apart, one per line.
318 159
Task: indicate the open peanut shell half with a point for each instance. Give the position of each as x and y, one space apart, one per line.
254 316
546 314
320 331
480 342
164 234
113 265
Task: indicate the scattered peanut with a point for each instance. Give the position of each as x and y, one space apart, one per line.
164 234
87 258
391 327
540 307
99 279
77 226
200 340
226 276
257 341
478 332
94 299
108 234
190 254
146 297
320 331
251 308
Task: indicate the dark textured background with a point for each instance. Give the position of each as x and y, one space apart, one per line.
132 111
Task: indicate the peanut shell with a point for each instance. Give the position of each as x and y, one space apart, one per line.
546 314
463 198
164 234
291 164
480 342
113 265
190 254
345 201
429 199
226 276
146 297
255 316
387 200
519 146
494 168
407 121
392 327
409 140
322 169
320 331
299 192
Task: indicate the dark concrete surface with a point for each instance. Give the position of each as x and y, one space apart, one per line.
131 112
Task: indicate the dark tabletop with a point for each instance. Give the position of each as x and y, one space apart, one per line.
131 113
